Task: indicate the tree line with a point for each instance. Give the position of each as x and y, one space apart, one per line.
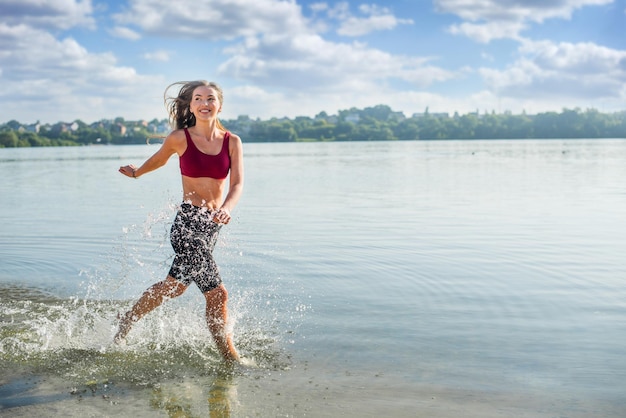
378 123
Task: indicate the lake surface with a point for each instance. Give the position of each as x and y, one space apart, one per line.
422 278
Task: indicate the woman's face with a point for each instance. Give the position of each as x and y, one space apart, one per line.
205 103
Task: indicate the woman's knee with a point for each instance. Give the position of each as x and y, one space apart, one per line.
216 299
218 294
172 287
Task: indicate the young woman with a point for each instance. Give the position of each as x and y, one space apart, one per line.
209 157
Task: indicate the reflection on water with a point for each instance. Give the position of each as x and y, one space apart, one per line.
181 399
210 396
222 398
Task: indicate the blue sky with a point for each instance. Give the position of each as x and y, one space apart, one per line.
62 60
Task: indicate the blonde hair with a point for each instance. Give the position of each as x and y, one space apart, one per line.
180 115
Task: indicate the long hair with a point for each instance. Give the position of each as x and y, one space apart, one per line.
180 115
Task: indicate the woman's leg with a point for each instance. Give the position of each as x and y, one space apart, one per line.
149 300
217 315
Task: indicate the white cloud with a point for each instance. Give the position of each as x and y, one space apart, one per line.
278 50
49 14
513 10
494 19
307 61
376 18
213 19
50 79
582 72
487 32
257 102
278 47
278 61
125 33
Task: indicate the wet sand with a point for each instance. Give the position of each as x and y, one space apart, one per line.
295 392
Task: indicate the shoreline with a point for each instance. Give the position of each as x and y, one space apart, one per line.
294 392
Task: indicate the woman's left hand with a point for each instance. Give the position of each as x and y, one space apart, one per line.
222 216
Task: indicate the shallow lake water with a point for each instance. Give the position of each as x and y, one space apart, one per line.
421 278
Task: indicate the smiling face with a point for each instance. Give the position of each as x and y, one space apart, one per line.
205 102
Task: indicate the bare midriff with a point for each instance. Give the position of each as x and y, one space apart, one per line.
203 191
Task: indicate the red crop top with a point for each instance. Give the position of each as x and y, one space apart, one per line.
195 163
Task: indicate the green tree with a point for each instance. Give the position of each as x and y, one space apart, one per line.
378 112
13 124
343 131
8 139
546 125
280 132
570 124
373 130
431 128
407 130
489 127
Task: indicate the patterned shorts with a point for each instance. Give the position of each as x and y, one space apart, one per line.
193 237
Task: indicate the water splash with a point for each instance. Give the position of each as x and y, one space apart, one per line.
72 337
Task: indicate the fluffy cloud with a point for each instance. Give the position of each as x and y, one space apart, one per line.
60 79
377 18
494 19
278 47
50 14
309 61
513 10
252 100
274 59
212 19
583 71
487 32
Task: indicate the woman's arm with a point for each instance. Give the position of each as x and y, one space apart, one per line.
174 143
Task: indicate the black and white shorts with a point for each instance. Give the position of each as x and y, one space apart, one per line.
193 237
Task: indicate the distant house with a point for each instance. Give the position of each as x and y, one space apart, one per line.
118 129
35 127
163 127
61 127
159 128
